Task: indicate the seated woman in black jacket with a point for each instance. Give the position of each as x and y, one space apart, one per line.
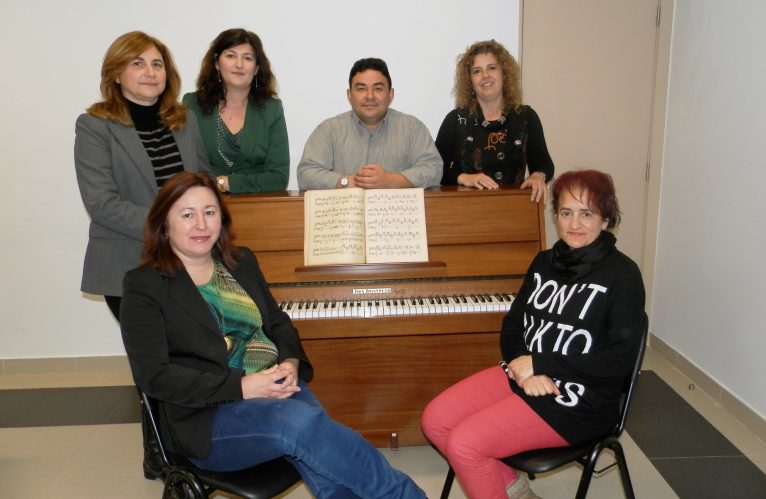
205 337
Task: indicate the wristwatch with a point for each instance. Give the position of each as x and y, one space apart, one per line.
344 181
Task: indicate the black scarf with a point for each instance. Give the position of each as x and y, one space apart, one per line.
572 264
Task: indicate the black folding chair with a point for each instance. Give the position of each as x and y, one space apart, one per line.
586 454
184 480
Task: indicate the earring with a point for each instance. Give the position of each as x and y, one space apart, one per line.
219 75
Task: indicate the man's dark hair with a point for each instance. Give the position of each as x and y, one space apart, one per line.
363 65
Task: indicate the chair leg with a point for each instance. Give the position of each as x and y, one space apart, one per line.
622 465
448 483
589 465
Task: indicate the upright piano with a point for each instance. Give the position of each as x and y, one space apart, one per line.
406 331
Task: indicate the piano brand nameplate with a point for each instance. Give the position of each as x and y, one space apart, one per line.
371 291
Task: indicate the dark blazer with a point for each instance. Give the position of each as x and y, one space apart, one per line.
117 185
177 352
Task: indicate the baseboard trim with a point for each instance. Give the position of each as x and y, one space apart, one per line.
119 364
56 365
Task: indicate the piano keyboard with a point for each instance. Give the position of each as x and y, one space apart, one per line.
388 307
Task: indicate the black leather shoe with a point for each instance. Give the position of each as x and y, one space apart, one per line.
154 468
154 465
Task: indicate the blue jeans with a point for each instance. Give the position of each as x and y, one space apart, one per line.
334 461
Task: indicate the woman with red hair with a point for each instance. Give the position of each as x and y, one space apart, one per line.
569 340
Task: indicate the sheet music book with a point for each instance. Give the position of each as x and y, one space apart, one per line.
354 226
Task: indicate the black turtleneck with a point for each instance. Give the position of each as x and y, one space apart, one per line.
157 139
145 118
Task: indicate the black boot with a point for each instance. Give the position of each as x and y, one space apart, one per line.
154 466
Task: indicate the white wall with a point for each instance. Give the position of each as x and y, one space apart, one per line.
52 53
710 276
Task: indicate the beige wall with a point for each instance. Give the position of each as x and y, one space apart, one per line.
701 109
588 69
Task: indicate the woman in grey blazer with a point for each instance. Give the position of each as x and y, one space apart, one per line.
126 146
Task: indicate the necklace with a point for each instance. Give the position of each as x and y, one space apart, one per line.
500 120
221 136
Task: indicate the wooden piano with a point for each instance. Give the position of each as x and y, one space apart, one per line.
377 373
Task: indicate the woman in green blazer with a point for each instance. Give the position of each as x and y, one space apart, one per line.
240 118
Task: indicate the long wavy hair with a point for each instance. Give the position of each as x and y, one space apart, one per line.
210 88
157 251
463 89
122 52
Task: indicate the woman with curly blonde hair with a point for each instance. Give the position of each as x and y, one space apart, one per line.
490 139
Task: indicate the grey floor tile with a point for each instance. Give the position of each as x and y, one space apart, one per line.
68 406
676 432
713 477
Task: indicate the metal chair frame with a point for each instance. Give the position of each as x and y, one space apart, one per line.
586 454
184 480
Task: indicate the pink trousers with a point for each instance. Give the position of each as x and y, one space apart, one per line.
479 420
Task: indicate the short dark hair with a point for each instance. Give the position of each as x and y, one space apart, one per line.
599 186
157 251
374 63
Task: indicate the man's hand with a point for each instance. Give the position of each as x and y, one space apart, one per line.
374 176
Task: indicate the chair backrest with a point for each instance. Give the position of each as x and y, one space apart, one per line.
630 381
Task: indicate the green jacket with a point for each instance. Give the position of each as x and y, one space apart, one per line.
264 164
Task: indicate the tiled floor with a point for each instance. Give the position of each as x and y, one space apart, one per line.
690 453
103 460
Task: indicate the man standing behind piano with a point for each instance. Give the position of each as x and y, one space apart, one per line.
372 146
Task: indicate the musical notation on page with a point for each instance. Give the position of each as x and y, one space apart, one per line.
353 226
